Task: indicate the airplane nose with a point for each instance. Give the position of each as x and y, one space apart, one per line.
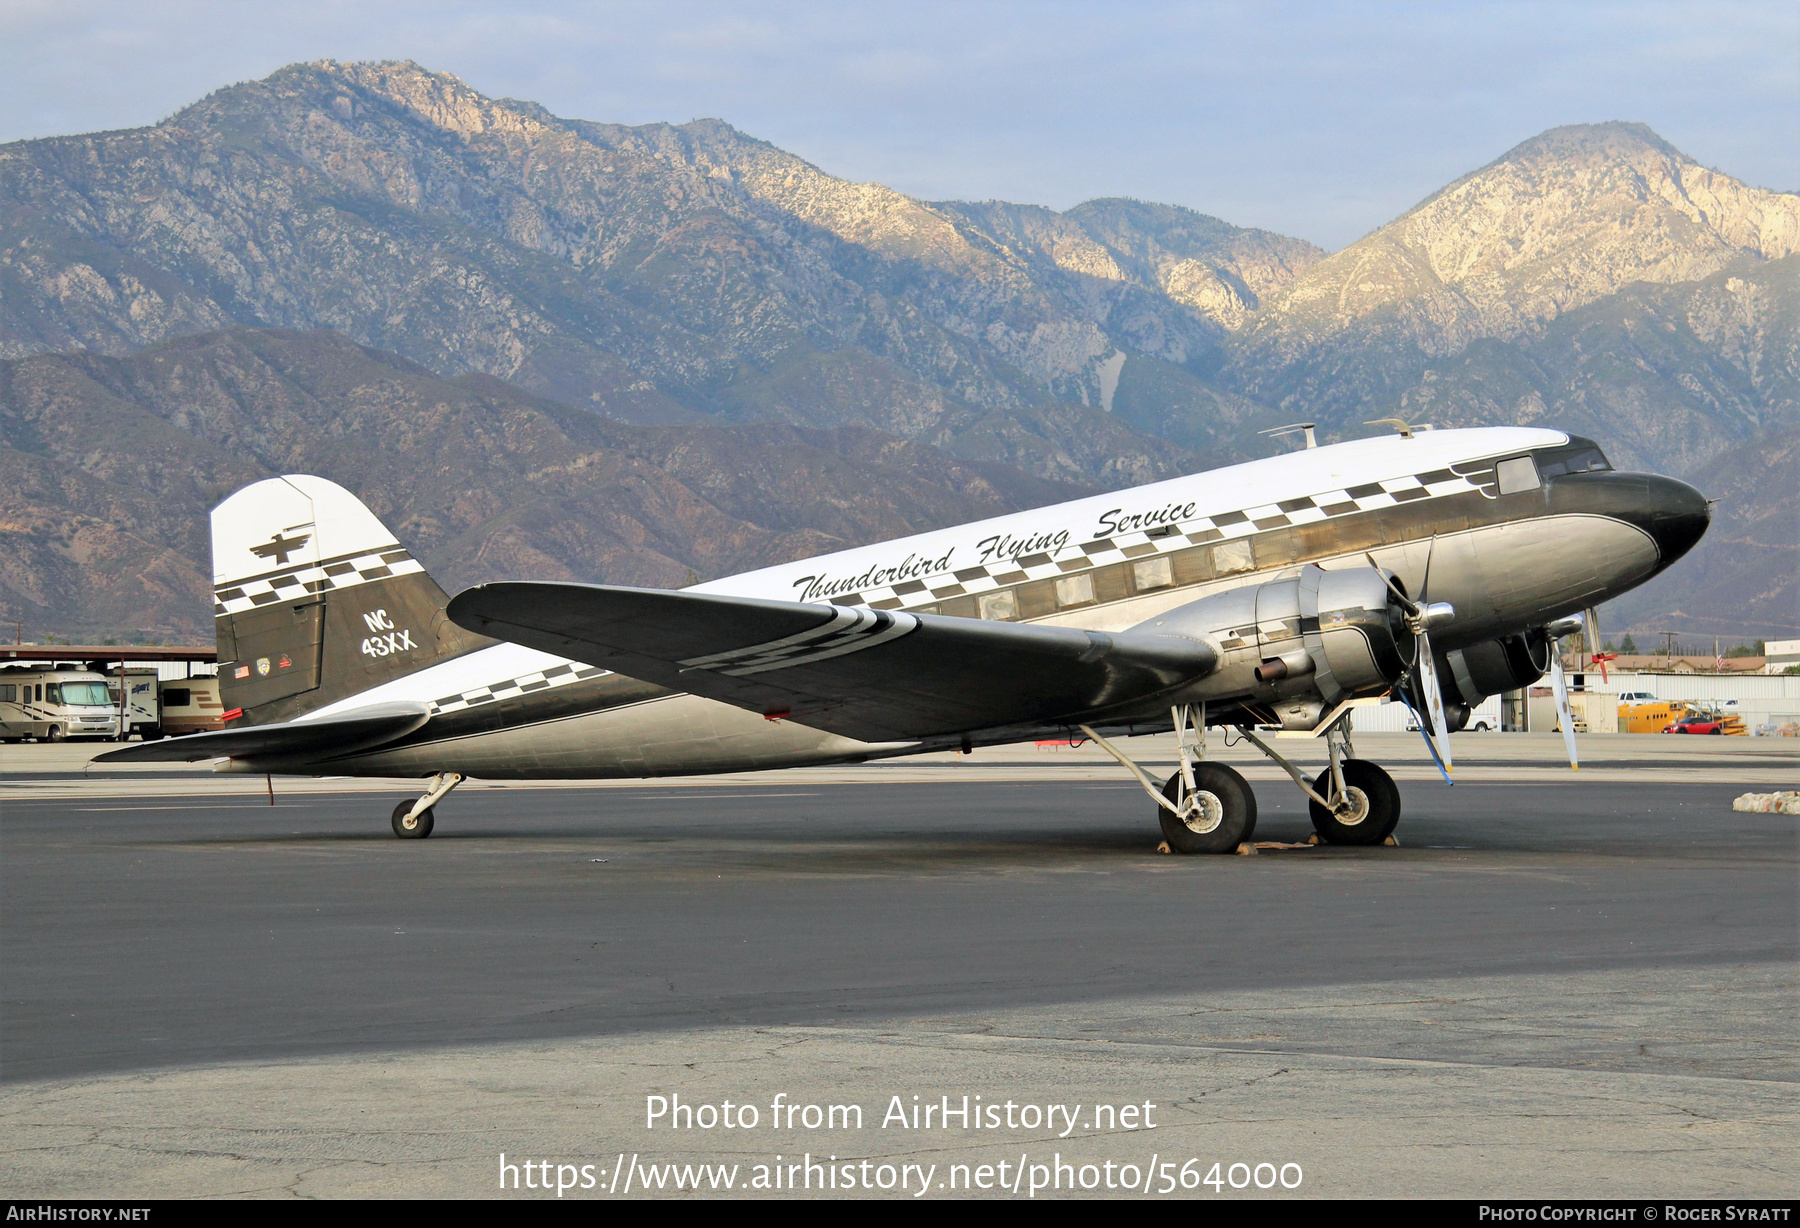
1678 516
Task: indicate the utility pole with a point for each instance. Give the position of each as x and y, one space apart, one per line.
1669 651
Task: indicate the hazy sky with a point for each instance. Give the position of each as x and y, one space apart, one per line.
1319 120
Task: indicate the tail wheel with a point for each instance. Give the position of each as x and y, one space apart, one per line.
1373 812
415 827
1224 819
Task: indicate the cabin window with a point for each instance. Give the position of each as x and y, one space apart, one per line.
1074 590
1109 582
1276 549
1036 599
9 693
1001 606
1152 573
178 697
1232 556
1516 475
40 692
1190 565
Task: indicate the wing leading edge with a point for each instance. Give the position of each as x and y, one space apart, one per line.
874 675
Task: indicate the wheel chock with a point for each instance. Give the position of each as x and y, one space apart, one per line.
1164 847
1314 839
1392 842
1246 850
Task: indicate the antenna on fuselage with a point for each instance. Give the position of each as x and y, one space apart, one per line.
1405 428
1312 441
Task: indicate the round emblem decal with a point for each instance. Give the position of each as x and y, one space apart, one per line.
262 666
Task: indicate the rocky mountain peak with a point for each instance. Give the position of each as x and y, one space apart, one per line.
1550 211
1611 141
1560 221
439 100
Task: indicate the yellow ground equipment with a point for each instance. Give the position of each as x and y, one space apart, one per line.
1651 717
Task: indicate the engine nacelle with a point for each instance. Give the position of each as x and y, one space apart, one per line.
1469 675
1297 645
1466 676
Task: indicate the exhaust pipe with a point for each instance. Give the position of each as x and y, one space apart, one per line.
1287 665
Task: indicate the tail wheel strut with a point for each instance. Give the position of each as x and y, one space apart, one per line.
413 818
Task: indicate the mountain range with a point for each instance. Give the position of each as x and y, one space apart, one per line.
373 272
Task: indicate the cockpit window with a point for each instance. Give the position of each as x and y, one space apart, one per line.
1515 475
1577 456
1588 461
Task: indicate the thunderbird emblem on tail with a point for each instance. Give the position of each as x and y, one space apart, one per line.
279 547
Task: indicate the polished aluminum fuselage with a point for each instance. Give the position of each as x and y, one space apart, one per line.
1507 563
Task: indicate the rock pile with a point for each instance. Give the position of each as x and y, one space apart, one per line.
1769 803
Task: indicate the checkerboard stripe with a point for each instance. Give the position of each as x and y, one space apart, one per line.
555 676
1224 526
328 576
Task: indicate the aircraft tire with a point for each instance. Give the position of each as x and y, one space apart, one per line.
1236 819
1377 792
421 826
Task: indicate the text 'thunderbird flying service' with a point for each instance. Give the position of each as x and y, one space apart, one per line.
1438 565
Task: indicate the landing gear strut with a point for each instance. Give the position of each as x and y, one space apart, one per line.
1352 801
413 818
1209 808
1204 807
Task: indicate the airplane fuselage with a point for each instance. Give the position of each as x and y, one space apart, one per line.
1518 527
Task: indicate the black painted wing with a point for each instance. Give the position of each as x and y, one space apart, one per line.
875 675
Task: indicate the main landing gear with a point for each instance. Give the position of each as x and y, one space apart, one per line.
1370 810
1207 807
1204 807
413 817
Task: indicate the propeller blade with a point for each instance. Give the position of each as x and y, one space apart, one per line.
1559 685
1407 603
1434 701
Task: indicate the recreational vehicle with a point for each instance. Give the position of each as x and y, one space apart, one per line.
53 702
190 705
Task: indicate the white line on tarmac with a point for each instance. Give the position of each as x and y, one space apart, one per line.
226 806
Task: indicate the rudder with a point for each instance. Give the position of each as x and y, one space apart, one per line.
316 600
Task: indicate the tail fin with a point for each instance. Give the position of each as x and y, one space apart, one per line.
316 600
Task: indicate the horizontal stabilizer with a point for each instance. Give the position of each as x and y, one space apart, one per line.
875 675
324 738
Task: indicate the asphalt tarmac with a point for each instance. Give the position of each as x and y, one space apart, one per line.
1643 931
175 933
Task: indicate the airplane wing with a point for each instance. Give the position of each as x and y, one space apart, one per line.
875 675
327 736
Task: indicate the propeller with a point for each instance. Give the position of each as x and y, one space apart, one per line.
1421 616
1559 683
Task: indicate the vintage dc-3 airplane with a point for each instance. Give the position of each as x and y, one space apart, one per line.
1441 565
